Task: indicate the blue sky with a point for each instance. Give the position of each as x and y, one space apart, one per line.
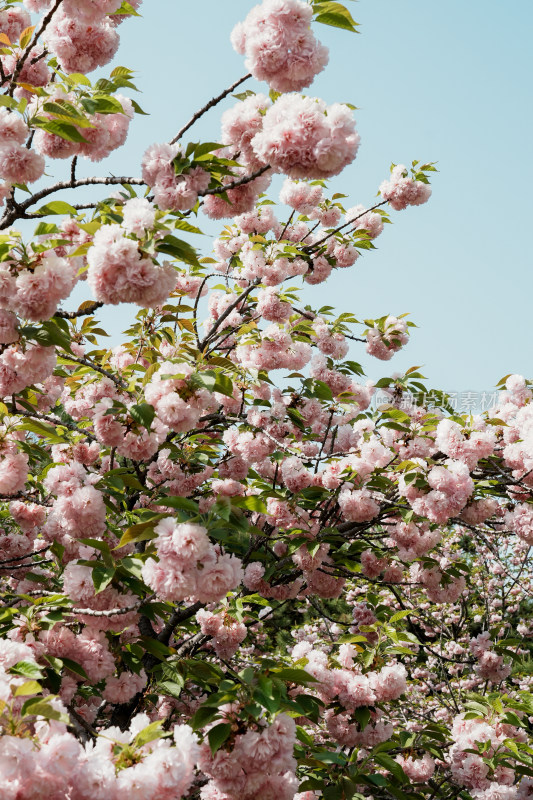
445 82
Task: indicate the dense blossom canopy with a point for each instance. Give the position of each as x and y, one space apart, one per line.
226 571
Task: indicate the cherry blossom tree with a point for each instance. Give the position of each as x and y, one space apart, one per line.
226 572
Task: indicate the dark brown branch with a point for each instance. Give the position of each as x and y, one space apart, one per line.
18 210
80 313
310 248
227 312
247 178
22 60
21 558
207 106
54 421
176 617
88 363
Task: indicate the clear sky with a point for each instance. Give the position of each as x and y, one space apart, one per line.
446 82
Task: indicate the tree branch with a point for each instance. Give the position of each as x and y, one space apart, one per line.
207 106
22 60
84 312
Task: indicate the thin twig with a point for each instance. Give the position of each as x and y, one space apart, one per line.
227 312
176 617
226 187
19 210
84 312
55 421
112 612
315 245
88 363
20 63
207 106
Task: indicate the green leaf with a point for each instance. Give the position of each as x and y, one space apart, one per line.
78 78
223 384
102 577
74 667
400 615
62 129
103 547
204 148
157 649
391 765
293 675
143 413
149 734
44 228
178 249
205 379
181 503
252 503
25 36
64 109
43 430
362 716
140 532
322 391
335 14
218 735
377 779
40 707
202 717
29 687
57 207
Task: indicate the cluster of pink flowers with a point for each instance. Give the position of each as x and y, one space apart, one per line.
164 393
301 196
13 20
240 200
18 164
304 138
385 339
130 440
450 487
418 770
23 366
120 273
402 191
239 126
35 72
490 666
82 44
107 132
520 520
276 350
369 221
189 565
35 290
470 448
13 470
226 633
172 192
348 733
439 585
261 765
79 510
413 540
43 759
349 686
279 46
470 769
358 505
